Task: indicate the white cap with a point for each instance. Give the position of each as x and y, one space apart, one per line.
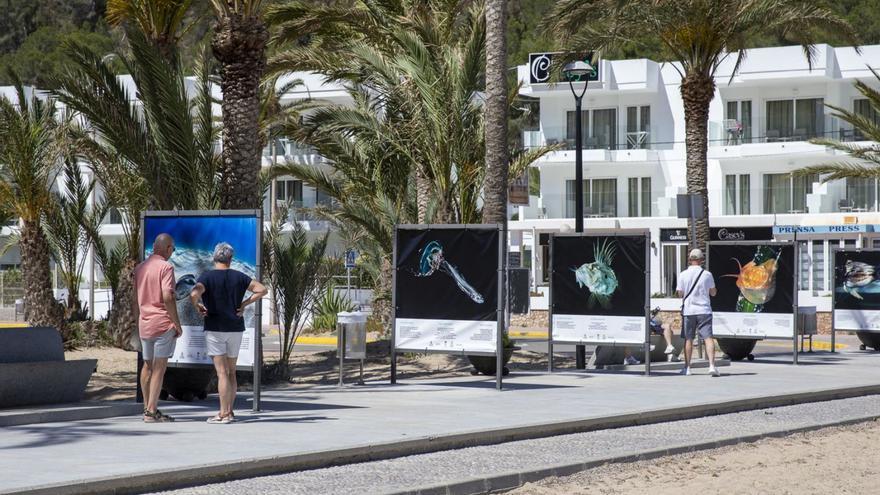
695 254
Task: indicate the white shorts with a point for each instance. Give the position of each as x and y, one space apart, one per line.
223 343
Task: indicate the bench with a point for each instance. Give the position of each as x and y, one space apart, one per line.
33 370
606 355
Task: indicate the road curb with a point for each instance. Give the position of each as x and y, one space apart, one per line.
512 480
247 468
76 411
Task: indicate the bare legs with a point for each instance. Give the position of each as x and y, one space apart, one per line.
226 383
689 350
710 351
152 376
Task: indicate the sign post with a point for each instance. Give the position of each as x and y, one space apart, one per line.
350 258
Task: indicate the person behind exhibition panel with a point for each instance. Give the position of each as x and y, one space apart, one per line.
158 322
696 285
218 297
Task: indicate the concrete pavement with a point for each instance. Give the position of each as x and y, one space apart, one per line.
316 427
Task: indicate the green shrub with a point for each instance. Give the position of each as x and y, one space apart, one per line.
324 317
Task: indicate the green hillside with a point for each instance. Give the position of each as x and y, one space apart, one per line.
33 31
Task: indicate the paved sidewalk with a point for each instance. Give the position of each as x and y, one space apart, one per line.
320 426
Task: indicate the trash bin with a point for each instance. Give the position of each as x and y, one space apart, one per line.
19 308
351 338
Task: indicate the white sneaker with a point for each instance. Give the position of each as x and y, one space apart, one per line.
714 372
685 371
669 349
630 361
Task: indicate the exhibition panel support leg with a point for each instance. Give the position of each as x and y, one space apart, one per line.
550 355
393 367
580 357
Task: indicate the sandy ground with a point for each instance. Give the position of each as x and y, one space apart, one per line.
117 369
843 460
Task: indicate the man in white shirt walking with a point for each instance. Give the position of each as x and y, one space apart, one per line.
696 285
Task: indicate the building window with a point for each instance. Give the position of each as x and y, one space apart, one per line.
674 262
861 194
784 193
745 194
818 260
804 268
598 128
289 192
737 194
638 127
323 199
738 121
639 196
795 120
862 107
600 198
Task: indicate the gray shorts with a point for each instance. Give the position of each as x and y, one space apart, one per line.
223 343
159 347
697 323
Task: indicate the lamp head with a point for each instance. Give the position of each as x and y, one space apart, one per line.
577 69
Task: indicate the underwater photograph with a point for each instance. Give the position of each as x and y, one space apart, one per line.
752 278
856 283
194 239
447 274
598 275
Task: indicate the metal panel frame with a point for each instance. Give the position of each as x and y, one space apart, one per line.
834 251
794 326
258 306
646 233
499 311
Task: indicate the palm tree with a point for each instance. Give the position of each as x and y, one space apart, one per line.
32 143
495 108
68 238
239 44
156 152
867 157
163 22
699 35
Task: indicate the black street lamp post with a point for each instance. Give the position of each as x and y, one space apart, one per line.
578 70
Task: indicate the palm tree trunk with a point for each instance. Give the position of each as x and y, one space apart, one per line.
123 324
40 306
497 161
382 294
239 44
423 194
697 92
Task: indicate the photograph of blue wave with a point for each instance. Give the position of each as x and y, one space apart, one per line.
432 261
194 240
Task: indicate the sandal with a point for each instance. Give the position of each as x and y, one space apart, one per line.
219 420
157 417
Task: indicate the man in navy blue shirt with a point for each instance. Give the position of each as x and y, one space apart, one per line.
219 297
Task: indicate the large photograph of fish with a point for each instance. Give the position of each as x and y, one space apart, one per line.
752 278
856 282
595 275
447 274
195 238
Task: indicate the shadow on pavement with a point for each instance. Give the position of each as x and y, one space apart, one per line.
53 434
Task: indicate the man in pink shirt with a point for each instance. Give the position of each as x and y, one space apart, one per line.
158 323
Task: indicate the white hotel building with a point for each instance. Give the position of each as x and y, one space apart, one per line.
759 126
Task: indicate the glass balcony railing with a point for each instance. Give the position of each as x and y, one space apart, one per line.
725 134
289 148
598 140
